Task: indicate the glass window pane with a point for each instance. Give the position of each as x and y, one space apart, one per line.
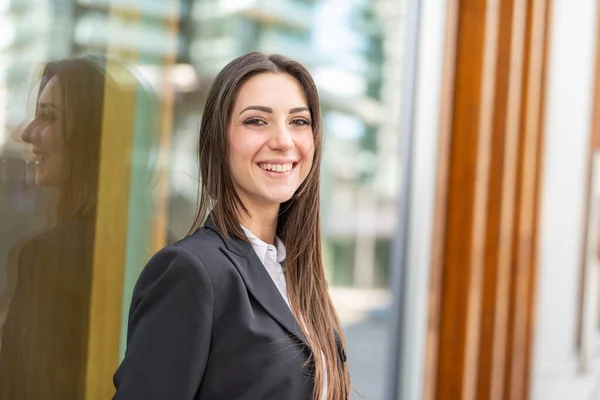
132 139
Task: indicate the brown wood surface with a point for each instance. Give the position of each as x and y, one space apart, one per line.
527 211
110 245
442 188
166 130
483 268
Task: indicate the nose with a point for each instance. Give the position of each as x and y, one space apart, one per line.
282 139
28 135
17 133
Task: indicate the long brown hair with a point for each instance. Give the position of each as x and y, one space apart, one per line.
85 83
82 89
299 219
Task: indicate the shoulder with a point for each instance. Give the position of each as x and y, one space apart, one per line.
204 246
202 243
72 235
192 256
172 273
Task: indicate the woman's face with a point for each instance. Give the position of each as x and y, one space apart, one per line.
45 136
270 140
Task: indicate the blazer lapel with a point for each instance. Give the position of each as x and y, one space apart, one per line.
259 283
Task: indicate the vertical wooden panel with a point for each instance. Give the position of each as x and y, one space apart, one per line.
111 234
166 130
442 187
466 203
482 182
527 211
501 199
110 247
596 112
483 264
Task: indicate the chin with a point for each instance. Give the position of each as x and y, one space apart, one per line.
30 179
279 198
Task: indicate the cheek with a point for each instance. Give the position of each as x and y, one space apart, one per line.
238 153
244 146
52 137
242 143
234 163
240 157
307 149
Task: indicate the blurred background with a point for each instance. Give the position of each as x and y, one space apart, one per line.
460 181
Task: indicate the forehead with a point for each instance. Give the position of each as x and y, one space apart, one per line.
275 90
51 93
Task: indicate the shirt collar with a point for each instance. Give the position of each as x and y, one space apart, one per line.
261 248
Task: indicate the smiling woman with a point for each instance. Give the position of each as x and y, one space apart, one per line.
65 134
45 135
239 309
271 144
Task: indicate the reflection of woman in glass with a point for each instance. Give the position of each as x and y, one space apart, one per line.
239 309
44 338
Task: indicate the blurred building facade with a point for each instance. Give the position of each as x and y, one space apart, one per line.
499 268
352 48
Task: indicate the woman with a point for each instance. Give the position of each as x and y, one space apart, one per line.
239 309
45 336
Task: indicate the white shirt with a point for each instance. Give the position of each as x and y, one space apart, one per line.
272 257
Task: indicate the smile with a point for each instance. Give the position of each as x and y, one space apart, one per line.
40 157
281 168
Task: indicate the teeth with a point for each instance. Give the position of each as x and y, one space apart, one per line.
276 167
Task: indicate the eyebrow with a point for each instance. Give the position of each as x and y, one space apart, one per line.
270 110
48 105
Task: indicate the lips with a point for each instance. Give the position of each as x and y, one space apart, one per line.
40 157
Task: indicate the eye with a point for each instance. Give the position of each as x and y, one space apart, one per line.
255 122
301 122
46 116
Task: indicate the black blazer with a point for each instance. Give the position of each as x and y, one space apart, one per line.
207 323
44 343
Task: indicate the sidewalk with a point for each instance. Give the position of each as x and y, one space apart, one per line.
367 338
567 384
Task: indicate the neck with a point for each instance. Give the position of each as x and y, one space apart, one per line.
262 222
